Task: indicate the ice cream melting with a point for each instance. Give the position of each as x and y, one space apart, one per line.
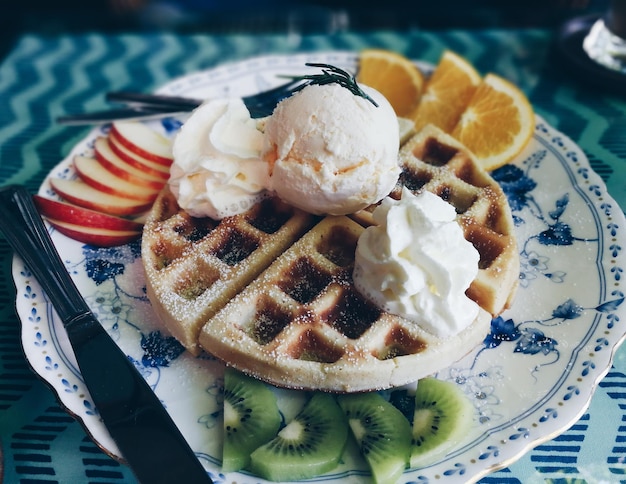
331 151
416 263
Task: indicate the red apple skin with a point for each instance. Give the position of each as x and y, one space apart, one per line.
73 214
94 236
86 196
111 162
133 159
93 173
140 139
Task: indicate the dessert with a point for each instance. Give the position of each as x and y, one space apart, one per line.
207 241
217 170
285 303
302 324
415 262
330 151
195 265
438 163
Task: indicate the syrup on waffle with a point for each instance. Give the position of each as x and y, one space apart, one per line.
433 160
194 266
302 324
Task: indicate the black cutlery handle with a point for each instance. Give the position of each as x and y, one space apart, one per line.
25 231
143 430
154 101
109 115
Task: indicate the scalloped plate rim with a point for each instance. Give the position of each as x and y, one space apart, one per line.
248 67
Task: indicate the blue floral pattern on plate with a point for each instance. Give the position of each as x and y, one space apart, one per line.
532 377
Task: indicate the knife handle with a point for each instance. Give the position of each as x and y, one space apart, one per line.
25 231
132 413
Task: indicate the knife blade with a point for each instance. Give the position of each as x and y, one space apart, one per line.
146 435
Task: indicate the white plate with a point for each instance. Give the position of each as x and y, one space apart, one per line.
531 380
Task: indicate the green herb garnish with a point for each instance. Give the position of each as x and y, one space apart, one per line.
331 75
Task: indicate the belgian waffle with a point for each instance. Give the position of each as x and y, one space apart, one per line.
298 321
302 324
194 266
433 160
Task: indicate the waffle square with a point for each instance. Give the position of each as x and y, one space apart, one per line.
302 324
270 291
194 266
434 161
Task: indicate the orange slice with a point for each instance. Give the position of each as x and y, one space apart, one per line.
497 123
447 93
394 76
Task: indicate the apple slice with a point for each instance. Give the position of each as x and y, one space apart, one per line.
83 195
96 175
113 163
137 161
139 138
73 214
94 235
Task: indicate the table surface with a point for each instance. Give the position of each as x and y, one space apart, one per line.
44 77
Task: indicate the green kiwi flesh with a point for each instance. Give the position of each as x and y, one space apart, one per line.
443 416
251 418
382 432
310 445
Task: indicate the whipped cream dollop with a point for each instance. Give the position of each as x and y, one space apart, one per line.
218 170
331 151
416 263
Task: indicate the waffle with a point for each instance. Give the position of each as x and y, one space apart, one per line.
303 325
279 303
193 266
434 161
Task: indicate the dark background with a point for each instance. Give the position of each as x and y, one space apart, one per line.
322 16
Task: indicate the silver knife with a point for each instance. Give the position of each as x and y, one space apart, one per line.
149 440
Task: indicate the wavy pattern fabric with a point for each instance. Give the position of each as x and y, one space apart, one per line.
43 78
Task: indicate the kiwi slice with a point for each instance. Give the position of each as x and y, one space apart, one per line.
382 433
443 415
310 445
251 418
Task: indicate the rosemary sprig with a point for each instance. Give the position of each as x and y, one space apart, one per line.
331 75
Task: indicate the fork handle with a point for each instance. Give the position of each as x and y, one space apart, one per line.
26 233
141 100
107 116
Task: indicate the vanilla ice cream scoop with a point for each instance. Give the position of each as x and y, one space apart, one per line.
330 151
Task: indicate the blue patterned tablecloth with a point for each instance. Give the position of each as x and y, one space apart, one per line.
45 77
